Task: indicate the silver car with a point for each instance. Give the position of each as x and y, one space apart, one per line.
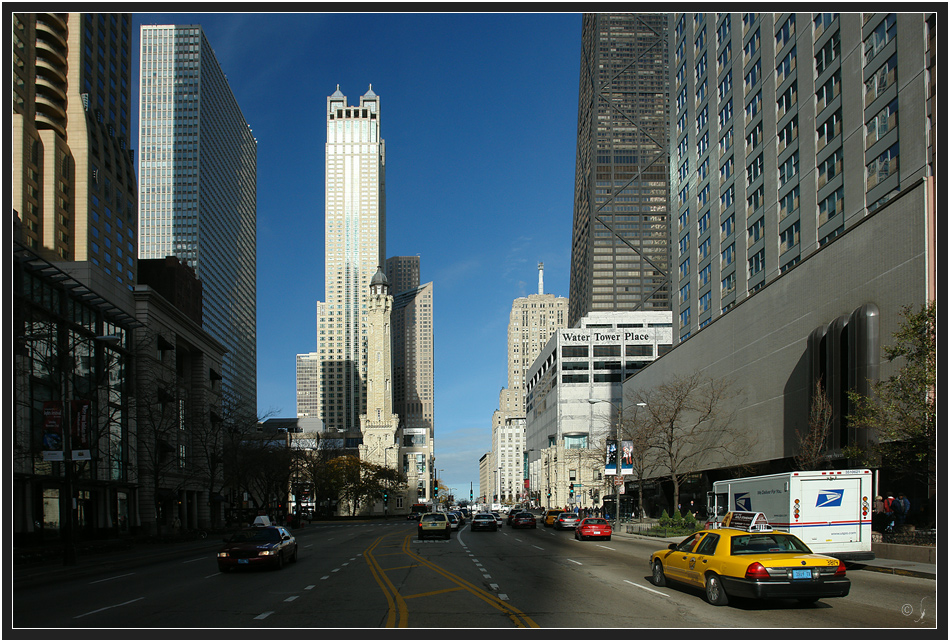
565 521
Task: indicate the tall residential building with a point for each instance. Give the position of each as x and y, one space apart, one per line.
355 247
790 128
73 171
198 190
620 240
413 369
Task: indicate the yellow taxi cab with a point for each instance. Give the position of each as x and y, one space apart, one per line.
550 517
746 558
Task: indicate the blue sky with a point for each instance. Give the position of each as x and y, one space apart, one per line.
479 115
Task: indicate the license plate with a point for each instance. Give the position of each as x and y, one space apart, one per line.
596 532
801 574
242 561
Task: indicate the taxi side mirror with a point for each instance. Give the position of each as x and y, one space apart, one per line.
672 547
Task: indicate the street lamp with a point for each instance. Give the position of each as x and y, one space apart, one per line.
617 444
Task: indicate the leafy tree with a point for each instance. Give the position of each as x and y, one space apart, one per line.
900 413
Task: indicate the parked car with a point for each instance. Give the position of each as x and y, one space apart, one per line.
747 558
498 518
524 520
256 547
550 516
566 521
593 527
484 522
434 524
461 516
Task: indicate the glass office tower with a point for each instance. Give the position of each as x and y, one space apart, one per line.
198 190
620 244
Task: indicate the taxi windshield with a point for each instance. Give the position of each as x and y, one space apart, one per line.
775 542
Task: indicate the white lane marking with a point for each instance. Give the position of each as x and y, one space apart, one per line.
324 577
108 579
486 576
309 587
607 547
213 574
263 615
493 587
576 562
197 559
335 570
503 596
646 588
291 598
537 547
106 608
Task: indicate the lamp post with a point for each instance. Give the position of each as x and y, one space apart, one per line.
617 445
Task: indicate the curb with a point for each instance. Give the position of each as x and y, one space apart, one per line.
897 571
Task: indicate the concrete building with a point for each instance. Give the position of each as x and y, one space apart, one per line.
564 432
73 173
355 228
198 190
620 239
413 371
825 201
532 321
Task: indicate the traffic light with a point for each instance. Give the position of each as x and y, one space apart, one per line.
386 497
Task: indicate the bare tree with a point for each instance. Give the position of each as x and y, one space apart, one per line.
813 442
641 434
692 426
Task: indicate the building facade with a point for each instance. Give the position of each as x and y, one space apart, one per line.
73 170
413 371
355 229
620 238
198 189
788 129
822 129
577 365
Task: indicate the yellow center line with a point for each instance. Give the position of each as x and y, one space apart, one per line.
398 613
448 590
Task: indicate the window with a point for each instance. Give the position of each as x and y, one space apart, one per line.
727 227
702 118
823 21
785 67
725 85
754 170
788 133
756 262
684 244
829 129
831 206
722 33
828 53
704 301
753 108
829 168
684 318
684 294
729 284
724 57
883 166
754 76
727 198
883 122
684 269
788 203
703 223
880 80
727 256
726 170
683 220
881 35
704 275
725 143
790 237
702 144
788 169
785 32
827 92
704 248
701 38
704 196
788 99
756 230
701 66
725 114
751 47
754 138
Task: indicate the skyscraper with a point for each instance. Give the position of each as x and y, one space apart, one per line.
413 370
73 171
750 91
355 247
198 190
620 243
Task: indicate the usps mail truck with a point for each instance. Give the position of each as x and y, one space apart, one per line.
829 510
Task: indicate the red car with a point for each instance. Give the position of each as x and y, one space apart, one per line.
593 527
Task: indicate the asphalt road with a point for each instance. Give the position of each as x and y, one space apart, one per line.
379 575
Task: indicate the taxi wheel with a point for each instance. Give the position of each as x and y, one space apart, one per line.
659 577
715 594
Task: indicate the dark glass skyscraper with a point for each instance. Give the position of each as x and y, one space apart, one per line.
620 244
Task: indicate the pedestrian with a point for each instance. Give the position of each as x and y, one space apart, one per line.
889 511
878 519
900 507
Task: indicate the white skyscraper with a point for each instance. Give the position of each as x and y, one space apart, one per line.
198 190
355 246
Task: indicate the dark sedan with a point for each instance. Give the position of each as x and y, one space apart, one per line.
256 547
484 522
524 520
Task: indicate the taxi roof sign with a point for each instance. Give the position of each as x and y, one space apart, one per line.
746 521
